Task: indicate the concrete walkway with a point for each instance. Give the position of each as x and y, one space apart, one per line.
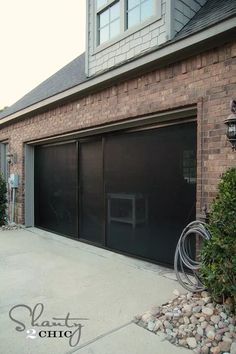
68 276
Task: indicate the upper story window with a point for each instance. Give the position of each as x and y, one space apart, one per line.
138 11
117 16
108 21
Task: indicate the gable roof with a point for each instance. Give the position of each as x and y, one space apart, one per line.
73 74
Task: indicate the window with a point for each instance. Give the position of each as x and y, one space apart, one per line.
138 11
117 16
108 21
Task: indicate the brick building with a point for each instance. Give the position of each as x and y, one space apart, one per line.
125 145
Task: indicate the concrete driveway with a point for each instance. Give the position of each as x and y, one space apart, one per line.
100 290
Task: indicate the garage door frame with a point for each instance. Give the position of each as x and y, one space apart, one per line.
185 115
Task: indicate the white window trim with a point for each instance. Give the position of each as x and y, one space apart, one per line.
98 11
102 8
123 32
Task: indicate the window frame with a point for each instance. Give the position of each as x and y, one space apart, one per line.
98 12
139 5
124 30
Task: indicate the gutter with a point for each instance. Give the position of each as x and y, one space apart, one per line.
175 51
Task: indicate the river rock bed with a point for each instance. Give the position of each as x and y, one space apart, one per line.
193 321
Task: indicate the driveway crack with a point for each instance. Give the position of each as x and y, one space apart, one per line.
99 337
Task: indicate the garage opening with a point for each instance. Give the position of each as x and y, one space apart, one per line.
134 191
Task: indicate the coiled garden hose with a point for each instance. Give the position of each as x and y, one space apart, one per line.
185 265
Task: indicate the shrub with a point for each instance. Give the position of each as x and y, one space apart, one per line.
218 256
3 200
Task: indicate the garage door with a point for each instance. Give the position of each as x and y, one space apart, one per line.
150 190
56 188
134 193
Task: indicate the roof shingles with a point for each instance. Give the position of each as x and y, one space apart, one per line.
214 11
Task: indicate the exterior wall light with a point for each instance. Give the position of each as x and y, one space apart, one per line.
231 125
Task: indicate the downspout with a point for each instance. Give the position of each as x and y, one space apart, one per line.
13 205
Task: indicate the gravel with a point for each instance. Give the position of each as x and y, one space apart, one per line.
194 321
9 227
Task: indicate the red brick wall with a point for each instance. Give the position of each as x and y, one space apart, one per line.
207 80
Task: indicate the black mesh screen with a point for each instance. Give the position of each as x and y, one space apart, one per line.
56 188
150 189
92 216
137 190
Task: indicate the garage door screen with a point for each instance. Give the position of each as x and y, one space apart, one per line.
150 190
56 188
137 190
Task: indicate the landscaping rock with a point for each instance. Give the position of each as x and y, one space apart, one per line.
204 324
187 308
233 348
186 320
189 296
196 309
194 321
168 315
191 341
215 319
9 227
215 350
210 334
200 331
207 311
158 325
155 310
146 317
223 315
176 292
205 294
151 325
167 324
183 342
225 346
221 324
205 349
218 337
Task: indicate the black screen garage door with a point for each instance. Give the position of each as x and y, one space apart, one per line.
150 190
137 190
56 188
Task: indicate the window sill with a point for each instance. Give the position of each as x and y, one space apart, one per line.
126 34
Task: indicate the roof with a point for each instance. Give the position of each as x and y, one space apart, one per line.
69 76
214 11
73 74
